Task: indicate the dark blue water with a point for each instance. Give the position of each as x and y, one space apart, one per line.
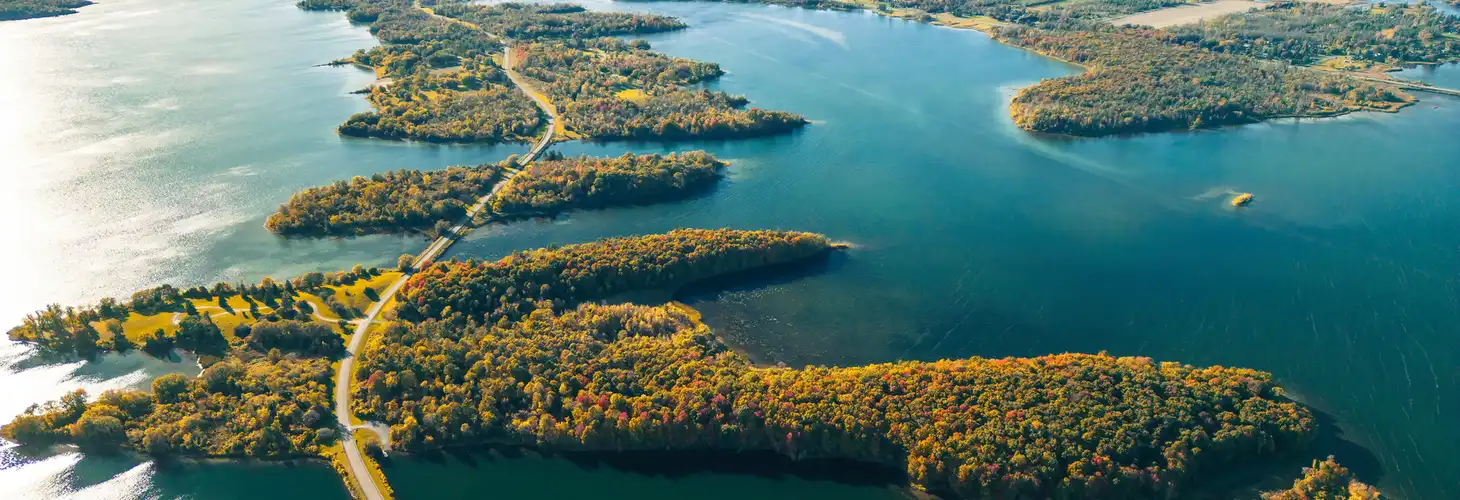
973 238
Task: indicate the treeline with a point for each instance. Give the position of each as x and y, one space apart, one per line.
1017 11
73 331
14 10
565 276
392 202
1303 33
1326 480
274 407
612 378
526 21
549 187
589 75
1138 82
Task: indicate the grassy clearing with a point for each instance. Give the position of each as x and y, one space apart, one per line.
635 95
355 295
136 324
241 311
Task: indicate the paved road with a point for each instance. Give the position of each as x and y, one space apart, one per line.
342 397
437 247
1408 84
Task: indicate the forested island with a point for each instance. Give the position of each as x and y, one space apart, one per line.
391 202
414 200
1233 69
442 76
14 10
518 352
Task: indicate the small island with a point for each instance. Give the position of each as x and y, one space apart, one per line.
1241 200
15 10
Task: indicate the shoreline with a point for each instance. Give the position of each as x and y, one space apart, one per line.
989 26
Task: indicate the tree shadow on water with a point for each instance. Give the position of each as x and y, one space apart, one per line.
680 464
1248 481
762 278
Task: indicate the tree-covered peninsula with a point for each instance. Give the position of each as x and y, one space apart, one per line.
14 10
506 352
444 76
1138 82
518 351
615 378
414 200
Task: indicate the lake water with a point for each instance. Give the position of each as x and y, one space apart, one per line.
154 137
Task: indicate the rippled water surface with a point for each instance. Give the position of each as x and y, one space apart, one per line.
145 141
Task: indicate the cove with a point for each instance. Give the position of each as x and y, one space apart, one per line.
976 239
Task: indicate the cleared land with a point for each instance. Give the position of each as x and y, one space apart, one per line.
1195 13
1188 14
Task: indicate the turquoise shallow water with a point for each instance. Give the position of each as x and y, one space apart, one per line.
973 238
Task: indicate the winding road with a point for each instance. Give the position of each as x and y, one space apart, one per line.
358 469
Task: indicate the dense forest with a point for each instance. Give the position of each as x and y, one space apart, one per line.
1137 82
1326 480
271 407
647 378
12 10
515 352
565 276
1303 33
385 203
548 187
615 89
